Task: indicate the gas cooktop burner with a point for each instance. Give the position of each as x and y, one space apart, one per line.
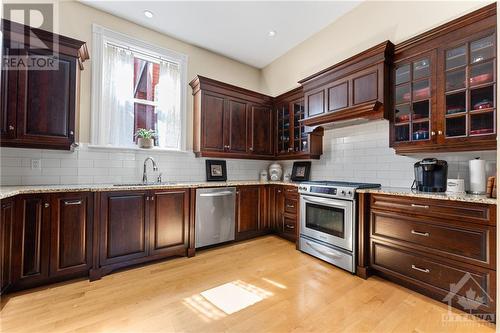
343 184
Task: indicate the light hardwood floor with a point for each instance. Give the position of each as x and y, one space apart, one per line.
291 292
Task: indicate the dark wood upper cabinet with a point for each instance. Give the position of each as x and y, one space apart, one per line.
444 84
169 220
39 106
261 130
354 88
231 122
71 233
293 139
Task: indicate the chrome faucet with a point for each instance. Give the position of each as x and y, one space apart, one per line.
155 168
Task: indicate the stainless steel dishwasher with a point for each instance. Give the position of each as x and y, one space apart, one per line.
215 215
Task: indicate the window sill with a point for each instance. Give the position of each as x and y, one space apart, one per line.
137 149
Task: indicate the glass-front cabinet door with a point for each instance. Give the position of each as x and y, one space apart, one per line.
469 90
300 137
284 128
413 100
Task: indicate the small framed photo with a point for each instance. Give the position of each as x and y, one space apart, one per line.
216 170
301 171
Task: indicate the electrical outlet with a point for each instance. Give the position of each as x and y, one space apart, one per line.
36 164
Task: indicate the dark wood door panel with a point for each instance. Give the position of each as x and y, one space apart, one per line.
248 220
315 103
434 274
124 226
8 91
365 88
338 96
261 127
237 130
6 229
169 220
46 102
453 210
467 242
31 239
213 122
71 234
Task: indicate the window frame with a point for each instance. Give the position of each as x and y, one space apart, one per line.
101 36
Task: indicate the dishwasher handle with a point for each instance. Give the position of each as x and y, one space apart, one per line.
216 194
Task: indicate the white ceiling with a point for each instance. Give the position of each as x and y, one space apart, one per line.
238 30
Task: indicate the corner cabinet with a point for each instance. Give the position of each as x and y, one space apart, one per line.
39 106
444 84
352 89
293 139
231 122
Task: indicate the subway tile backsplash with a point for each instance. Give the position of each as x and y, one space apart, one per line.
354 153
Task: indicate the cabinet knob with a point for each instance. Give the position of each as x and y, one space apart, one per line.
71 132
433 133
46 205
251 148
440 132
11 128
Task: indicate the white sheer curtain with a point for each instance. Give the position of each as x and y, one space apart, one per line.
168 97
117 109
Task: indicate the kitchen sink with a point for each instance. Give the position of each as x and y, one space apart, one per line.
145 184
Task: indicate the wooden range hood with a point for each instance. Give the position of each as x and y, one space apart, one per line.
356 88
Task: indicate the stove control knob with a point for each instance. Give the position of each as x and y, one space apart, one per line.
342 192
350 193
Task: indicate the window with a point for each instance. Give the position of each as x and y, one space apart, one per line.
136 85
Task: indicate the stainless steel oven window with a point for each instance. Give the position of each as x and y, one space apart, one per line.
330 220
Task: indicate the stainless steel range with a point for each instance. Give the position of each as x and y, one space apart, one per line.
328 221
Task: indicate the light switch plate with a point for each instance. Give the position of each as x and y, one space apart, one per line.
36 164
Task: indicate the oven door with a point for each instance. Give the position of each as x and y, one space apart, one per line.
327 220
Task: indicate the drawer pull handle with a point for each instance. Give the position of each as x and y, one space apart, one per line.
423 270
290 206
425 234
290 226
290 190
420 206
70 203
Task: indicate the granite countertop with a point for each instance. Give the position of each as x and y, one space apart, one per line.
10 191
402 191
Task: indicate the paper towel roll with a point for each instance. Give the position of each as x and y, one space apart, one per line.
477 175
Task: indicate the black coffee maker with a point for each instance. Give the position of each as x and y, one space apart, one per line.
431 175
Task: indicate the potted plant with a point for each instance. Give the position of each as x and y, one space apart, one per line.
145 138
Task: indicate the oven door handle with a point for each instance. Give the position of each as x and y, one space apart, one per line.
327 202
330 254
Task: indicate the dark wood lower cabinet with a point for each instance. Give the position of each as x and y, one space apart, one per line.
443 249
248 221
169 221
71 233
6 228
124 226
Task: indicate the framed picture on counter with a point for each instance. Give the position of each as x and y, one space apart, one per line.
301 171
216 170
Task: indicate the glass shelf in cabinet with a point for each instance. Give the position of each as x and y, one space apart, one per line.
420 131
455 80
402 113
421 109
482 123
455 126
482 98
482 49
402 133
402 74
456 103
421 89
481 73
456 57
403 93
421 69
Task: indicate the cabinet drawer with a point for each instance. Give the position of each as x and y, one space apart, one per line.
454 210
289 225
291 205
291 190
472 243
433 276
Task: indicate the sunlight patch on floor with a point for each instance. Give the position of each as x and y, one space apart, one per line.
226 299
274 283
